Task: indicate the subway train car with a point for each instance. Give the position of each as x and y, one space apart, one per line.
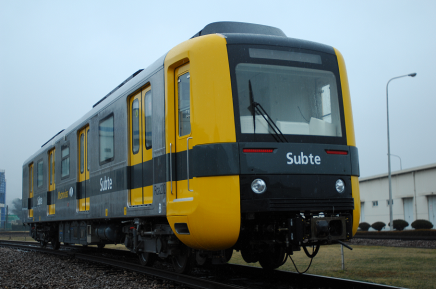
239 138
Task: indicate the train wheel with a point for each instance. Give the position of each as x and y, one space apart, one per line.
182 263
272 260
201 259
55 244
147 259
249 256
43 243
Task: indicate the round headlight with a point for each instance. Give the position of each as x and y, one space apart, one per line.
258 186
340 186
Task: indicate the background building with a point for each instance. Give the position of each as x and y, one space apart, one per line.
413 194
2 198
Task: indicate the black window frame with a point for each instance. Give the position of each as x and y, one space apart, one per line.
239 53
99 137
66 145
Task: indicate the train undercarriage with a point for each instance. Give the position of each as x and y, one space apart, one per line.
264 238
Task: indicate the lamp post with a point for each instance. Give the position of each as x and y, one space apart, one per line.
389 152
401 166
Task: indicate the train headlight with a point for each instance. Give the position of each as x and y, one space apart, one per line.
340 186
258 186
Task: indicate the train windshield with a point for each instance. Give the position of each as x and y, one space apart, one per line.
288 93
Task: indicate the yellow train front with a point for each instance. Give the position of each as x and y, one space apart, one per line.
239 138
261 142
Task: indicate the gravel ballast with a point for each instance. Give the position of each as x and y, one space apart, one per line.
24 269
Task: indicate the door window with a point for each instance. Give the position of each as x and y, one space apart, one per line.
184 94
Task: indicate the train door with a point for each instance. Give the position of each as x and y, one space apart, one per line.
184 135
83 187
147 156
51 183
29 202
141 174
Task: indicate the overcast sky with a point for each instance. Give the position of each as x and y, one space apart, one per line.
58 58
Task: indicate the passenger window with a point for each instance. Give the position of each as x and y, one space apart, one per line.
135 126
65 163
106 134
40 179
184 105
148 119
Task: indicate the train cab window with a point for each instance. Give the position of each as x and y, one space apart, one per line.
40 176
184 108
65 162
148 119
135 126
106 135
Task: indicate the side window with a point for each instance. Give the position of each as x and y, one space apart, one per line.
184 104
40 177
135 126
106 135
148 119
65 163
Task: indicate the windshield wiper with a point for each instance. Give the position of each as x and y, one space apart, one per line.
257 107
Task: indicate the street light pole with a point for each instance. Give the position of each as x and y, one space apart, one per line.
389 151
401 166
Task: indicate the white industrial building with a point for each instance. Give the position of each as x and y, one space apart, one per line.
413 194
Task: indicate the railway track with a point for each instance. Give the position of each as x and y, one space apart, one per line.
226 276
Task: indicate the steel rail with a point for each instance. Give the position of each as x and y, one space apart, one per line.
171 276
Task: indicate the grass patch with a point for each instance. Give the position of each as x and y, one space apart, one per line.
403 267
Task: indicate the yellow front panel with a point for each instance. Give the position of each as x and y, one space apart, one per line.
213 208
214 217
356 196
349 125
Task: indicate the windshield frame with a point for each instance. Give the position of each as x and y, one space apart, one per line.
239 53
